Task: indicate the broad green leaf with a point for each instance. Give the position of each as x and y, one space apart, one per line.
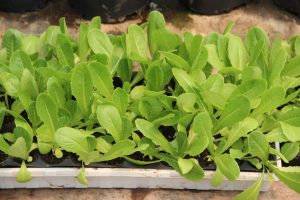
29 44
186 102
120 149
19 149
63 25
28 90
95 23
214 83
290 132
18 62
289 175
20 132
10 83
82 87
258 145
151 132
154 78
64 51
176 61
165 40
237 109
136 44
238 130
291 117
237 53
292 68
56 91
102 79
99 42
290 150
217 178
23 174
117 59
73 140
277 62
228 166
121 100
188 84
83 45
213 57
185 165
252 192
271 99
251 89
81 177
155 21
276 135
47 111
11 41
110 119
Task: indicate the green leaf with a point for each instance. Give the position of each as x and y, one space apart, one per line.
276 65
29 44
23 174
81 177
73 140
186 102
83 44
236 52
292 68
185 165
63 25
120 149
82 87
166 40
213 57
102 79
251 89
271 99
56 91
136 44
237 109
252 192
28 90
18 62
121 100
110 119
117 59
11 41
154 78
258 145
217 178
289 175
19 149
176 61
276 135
290 150
64 51
95 23
47 111
228 166
290 132
151 132
99 42
10 83
238 130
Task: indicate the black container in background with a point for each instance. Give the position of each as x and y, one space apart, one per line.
21 5
211 7
110 11
290 5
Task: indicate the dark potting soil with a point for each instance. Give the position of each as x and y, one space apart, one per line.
8 124
294 162
51 159
3 157
117 82
168 132
21 5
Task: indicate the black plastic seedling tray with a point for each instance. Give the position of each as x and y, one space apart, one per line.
21 5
